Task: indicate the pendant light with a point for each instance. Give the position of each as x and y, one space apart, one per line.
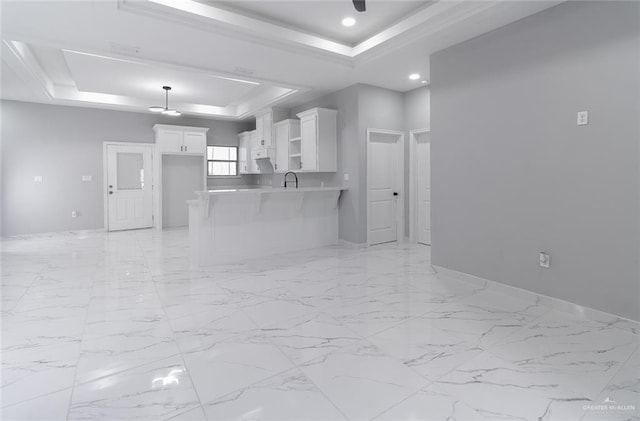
165 110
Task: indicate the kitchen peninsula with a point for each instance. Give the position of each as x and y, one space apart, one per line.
238 224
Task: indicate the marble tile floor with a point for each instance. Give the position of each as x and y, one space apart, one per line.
122 326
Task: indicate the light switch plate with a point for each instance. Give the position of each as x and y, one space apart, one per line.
37 179
545 260
583 118
346 177
87 178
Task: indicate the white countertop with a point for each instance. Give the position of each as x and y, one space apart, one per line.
268 190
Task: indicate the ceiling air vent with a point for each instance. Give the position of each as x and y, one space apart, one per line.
129 50
244 70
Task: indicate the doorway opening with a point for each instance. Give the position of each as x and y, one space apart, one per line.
420 187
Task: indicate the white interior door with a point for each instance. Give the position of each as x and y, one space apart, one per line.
423 185
129 191
382 189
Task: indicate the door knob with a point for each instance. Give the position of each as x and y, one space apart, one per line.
110 186
395 193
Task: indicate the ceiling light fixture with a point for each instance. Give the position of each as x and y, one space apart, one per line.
423 82
360 5
414 76
165 110
348 21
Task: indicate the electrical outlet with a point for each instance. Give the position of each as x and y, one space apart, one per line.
87 178
37 179
583 118
545 260
346 177
74 214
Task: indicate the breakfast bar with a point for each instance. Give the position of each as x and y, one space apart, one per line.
238 224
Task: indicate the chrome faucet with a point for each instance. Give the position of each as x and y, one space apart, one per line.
285 179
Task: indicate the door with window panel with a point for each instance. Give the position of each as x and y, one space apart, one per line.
129 193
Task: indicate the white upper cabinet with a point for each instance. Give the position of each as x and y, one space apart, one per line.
309 139
181 139
247 143
265 128
318 148
253 142
286 133
195 142
243 153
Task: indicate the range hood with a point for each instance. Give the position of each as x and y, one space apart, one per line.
263 153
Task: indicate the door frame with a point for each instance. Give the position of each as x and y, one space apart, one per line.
399 179
413 182
105 189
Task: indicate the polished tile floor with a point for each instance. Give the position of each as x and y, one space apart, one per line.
121 326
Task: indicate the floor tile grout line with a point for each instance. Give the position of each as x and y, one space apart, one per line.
297 367
75 374
27 289
193 385
294 365
36 397
398 403
618 370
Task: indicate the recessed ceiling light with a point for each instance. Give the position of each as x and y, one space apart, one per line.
348 21
414 76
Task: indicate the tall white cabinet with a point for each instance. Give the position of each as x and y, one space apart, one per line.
318 143
188 145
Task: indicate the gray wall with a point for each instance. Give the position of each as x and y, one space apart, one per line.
61 144
417 109
181 176
512 173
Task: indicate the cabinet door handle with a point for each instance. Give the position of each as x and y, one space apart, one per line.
185 148
300 164
180 148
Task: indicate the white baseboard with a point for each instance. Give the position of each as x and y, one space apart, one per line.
350 244
544 300
53 234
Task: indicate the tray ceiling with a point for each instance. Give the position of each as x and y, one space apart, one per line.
323 18
228 59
